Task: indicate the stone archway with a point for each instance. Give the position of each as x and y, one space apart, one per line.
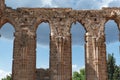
77 46
113 47
43 52
7 38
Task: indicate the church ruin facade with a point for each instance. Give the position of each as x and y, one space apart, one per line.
26 21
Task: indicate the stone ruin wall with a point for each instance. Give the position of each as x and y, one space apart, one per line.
26 21
43 74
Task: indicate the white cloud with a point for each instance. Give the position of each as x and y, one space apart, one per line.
3 74
47 3
75 67
43 66
114 3
104 3
75 4
92 4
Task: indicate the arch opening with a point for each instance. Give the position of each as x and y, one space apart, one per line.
6 45
7 21
42 59
78 51
112 47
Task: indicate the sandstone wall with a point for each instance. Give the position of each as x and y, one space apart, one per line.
26 21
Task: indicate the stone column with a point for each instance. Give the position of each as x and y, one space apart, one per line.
67 58
60 41
96 64
56 57
89 57
24 57
60 51
101 58
60 58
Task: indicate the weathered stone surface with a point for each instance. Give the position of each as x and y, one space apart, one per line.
26 21
43 74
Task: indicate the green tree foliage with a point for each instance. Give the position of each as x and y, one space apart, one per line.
8 77
113 69
79 75
116 75
111 66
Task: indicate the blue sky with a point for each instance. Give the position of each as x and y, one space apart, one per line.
6 40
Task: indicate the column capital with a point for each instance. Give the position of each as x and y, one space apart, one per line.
25 31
